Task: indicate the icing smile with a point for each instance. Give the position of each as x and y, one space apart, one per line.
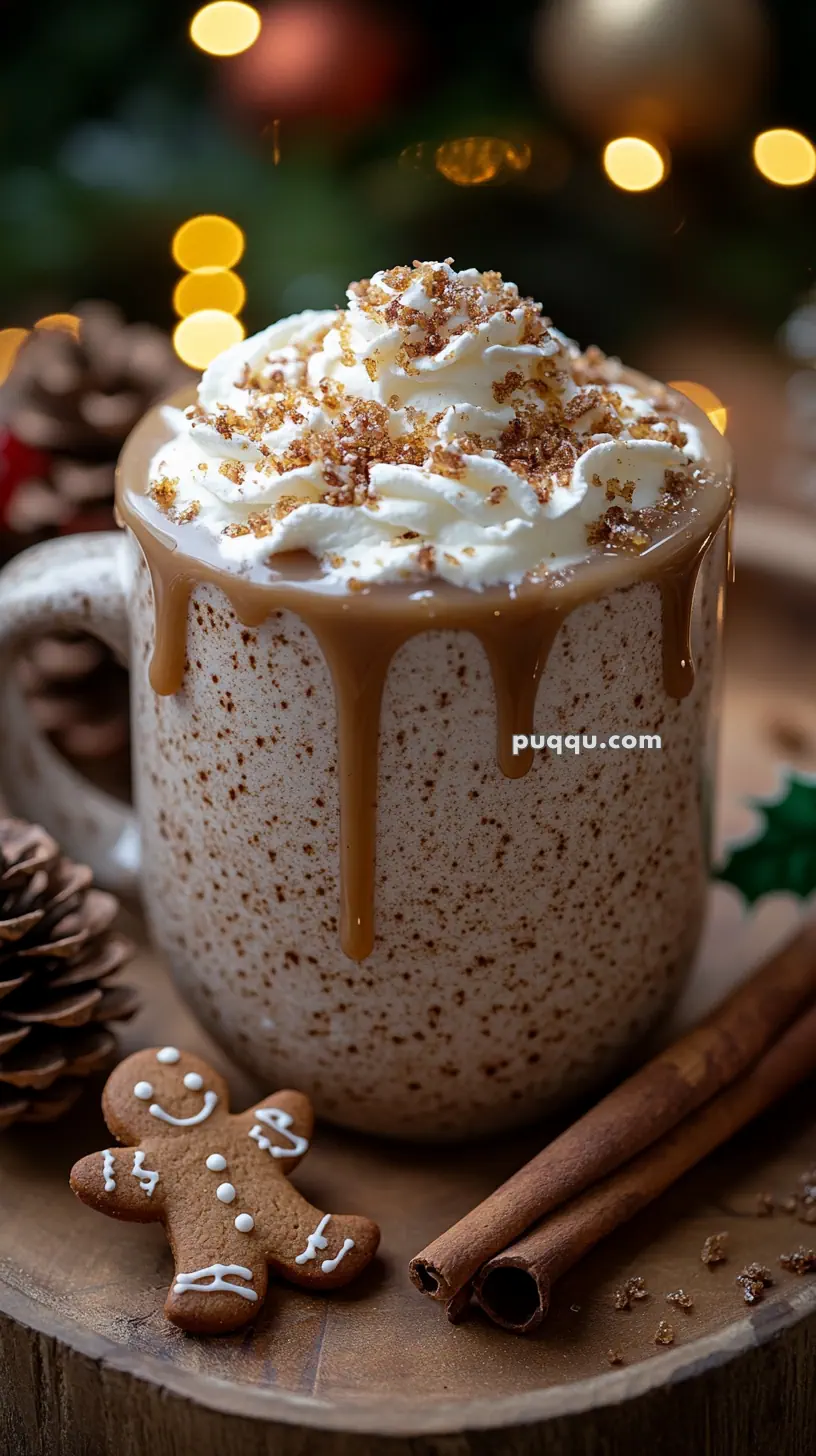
193 1081
210 1101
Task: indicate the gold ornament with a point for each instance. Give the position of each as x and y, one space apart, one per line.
683 70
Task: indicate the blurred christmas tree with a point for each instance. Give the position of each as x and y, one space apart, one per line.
134 130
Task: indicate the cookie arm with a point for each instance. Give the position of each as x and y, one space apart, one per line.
282 1126
319 1250
121 1182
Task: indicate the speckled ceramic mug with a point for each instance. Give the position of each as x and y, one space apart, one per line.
527 932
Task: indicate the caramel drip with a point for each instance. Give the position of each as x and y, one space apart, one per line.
517 660
358 677
359 634
678 583
171 601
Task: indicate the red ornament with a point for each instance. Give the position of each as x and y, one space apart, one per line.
316 60
19 464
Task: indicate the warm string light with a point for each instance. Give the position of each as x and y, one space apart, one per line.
202 336
785 157
209 288
208 241
634 165
210 294
225 28
705 399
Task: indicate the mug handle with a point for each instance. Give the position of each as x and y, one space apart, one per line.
72 583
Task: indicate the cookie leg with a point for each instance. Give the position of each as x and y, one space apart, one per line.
215 1290
321 1250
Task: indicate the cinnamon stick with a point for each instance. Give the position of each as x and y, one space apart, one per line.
514 1287
634 1115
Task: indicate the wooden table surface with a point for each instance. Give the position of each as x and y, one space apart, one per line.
89 1365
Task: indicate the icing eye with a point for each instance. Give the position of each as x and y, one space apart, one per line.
216 1162
168 1056
144 1091
194 1081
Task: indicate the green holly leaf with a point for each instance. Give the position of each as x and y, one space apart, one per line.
783 855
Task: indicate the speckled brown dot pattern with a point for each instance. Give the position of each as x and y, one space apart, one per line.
527 931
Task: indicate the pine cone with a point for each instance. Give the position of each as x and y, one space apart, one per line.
57 952
77 397
78 694
71 402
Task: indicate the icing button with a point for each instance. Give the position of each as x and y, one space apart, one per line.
245 1223
225 1192
216 1162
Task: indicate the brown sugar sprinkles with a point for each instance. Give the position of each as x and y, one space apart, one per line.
384 542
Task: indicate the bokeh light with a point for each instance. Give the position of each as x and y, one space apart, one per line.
634 164
68 322
469 161
705 399
208 241
518 155
202 336
10 341
785 157
225 28
217 288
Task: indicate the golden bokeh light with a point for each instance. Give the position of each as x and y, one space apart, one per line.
10 341
415 156
68 322
202 336
225 28
705 399
208 241
217 288
469 161
518 156
785 157
634 164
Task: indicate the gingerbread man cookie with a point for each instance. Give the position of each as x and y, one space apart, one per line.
219 1184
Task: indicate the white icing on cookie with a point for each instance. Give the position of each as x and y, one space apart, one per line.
143 1090
194 1081
314 1242
147 1179
210 1101
107 1171
168 1056
245 1223
280 1121
329 1265
216 1272
216 1162
225 1193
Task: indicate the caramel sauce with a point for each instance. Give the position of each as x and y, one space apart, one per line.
359 633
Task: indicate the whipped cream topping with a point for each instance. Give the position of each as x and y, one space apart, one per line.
439 426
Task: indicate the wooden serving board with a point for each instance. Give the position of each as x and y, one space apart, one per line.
89 1367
